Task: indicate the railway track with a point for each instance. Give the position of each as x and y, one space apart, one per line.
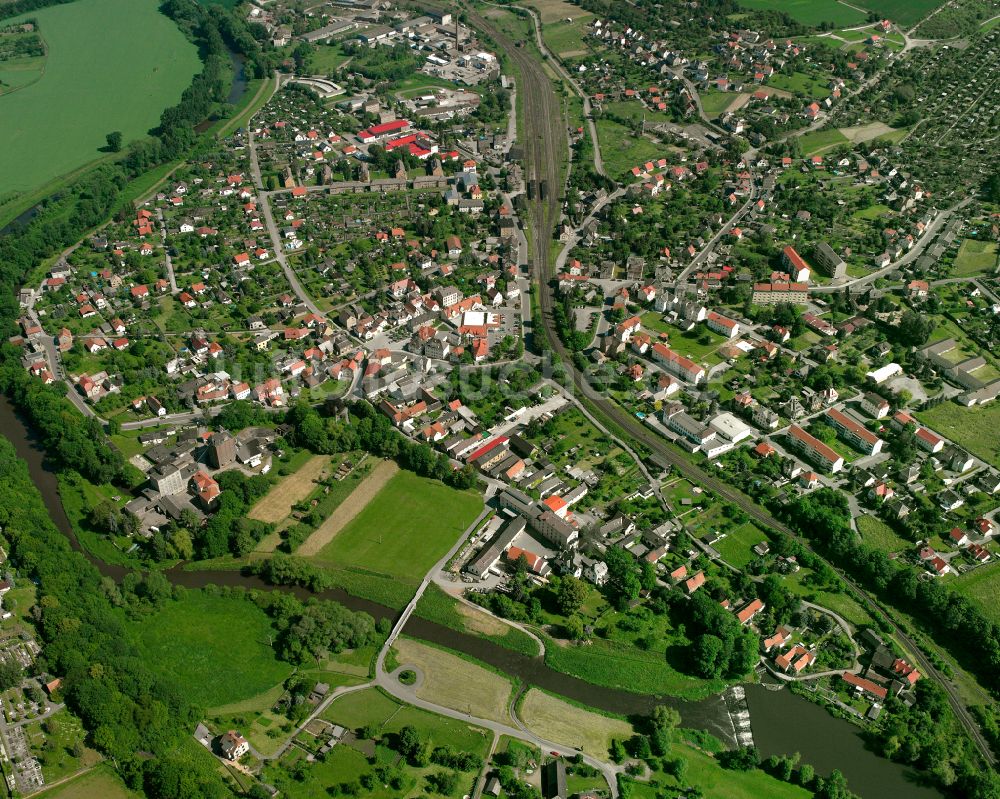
544 128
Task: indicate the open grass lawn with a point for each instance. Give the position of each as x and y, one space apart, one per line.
975 257
18 72
563 36
872 212
878 534
326 58
839 603
622 665
800 83
563 723
976 429
810 12
821 140
737 546
715 102
621 150
216 649
653 321
453 681
101 781
112 65
404 530
699 344
982 585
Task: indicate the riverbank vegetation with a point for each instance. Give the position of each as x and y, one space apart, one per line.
925 736
125 706
392 751
437 606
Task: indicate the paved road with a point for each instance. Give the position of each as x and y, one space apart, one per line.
277 245
564 73
542 130
726 228
166 252
932 230
391 685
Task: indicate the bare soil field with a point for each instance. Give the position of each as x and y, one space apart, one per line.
277 504
349 508
865 132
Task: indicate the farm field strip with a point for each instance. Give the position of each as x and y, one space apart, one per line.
349 508
278 502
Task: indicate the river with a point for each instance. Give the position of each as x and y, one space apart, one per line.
782 722
236 89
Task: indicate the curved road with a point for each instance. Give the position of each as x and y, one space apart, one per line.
543 127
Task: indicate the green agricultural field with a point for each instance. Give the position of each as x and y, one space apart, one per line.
976 429
880 535
811 12
821 140
983 586
903 12
401 533
975 257
192 641
111 65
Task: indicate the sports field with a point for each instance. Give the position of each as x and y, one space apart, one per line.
404 530
811 12
216 649
111 65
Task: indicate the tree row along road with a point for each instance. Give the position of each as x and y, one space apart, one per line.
543 129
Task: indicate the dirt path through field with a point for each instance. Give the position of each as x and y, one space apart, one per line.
277 504
349 508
